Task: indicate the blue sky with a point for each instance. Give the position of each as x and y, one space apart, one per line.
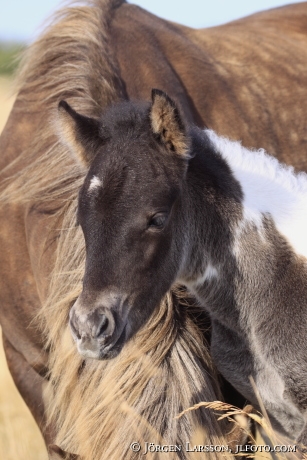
21 19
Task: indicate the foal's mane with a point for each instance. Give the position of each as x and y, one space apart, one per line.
99 408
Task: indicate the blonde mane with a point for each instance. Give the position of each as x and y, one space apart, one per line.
98 408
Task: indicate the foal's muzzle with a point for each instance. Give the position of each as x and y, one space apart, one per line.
98 334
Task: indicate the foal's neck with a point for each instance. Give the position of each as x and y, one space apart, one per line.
249 231
271 191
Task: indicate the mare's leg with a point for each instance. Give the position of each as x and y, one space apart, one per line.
30 385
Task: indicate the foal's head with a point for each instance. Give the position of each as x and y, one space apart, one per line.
130 211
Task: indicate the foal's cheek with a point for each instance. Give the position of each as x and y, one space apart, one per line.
157 253
149 252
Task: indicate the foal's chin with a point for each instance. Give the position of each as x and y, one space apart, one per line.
94 350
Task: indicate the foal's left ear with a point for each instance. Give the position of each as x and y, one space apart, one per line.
167 123
79 133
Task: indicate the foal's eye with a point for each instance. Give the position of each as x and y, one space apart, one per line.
157 221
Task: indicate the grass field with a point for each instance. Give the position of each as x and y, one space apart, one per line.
6 100
20 438
9 57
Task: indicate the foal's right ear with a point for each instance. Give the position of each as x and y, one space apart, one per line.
79 133
168 124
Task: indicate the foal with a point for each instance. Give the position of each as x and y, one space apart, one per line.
163 203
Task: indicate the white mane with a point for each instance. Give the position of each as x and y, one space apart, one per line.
269 187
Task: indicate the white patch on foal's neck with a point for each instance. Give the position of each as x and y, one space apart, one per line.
269 187
209 274
94 183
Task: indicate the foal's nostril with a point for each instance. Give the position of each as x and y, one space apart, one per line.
73 326
97 325
103 326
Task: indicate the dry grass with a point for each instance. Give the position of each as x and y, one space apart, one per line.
264 436
20 438
6 100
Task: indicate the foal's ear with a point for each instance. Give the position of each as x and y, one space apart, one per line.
167 123
79 133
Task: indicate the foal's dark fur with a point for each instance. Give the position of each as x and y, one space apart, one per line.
161 204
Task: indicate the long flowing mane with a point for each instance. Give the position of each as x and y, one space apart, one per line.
99 408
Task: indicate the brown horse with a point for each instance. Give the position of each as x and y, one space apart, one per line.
245 80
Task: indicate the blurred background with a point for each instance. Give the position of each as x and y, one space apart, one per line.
20 23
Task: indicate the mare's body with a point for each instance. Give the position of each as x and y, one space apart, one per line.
245 80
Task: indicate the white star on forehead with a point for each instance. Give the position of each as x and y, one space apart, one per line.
95 183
